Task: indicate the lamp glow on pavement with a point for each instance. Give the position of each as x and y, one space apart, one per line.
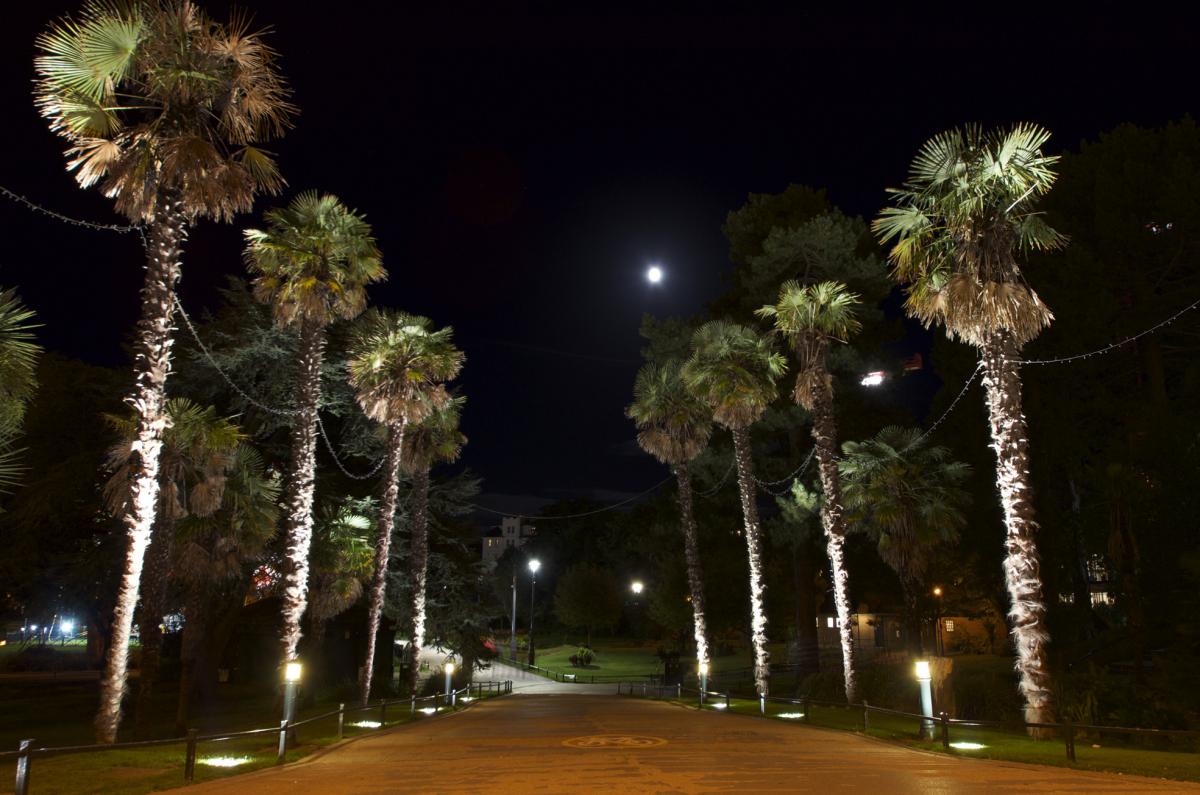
790 715
367 724
224 761
466 698
968 746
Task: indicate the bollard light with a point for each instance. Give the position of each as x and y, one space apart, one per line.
703 680
924 677
449 668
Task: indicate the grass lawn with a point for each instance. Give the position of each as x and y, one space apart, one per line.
1111 755
135 771
622 657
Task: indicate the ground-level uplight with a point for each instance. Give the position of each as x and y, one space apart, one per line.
429 710
964 746
924 677
367 724
872 379
223 761
718 706
790 715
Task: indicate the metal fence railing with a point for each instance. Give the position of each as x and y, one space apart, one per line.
26 752
580 677
937 727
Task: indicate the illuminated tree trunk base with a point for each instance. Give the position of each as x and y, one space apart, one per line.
420 566
758 613
152 364
691 551
1022 566
383 545
300 489
833 520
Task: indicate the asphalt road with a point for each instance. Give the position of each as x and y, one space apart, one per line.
577 744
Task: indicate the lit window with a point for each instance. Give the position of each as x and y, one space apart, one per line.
818 621
1101 598
949 625
829 621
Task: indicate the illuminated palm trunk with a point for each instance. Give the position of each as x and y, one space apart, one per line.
1022 565
383 545
833 521
152 364
691 551
420 565
154 598
302 481
758 613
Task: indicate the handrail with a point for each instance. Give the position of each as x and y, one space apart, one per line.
26 753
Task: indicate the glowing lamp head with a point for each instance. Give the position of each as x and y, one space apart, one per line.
937 591
449 668
534 565
654 274
637 586
704 669
292 671
922 668
67 627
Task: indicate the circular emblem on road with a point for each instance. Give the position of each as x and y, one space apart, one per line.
614 741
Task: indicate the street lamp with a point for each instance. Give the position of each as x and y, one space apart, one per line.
512 635
924 677
449 667
534 565
938 646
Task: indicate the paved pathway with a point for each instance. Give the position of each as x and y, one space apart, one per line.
534 684
571 744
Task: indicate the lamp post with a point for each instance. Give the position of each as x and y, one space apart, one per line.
703 681
449 668
924 677
291 678
534 565
512 635
937 621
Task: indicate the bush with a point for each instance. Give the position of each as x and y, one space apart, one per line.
583 657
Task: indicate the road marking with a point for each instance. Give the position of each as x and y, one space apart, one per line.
614 741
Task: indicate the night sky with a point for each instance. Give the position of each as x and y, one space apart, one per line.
521 172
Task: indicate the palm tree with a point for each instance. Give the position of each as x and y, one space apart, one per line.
198 448
18 379
733 369
162 108
212 560
674 426
958 225
436 439
811 317
312 265
398 366
909 498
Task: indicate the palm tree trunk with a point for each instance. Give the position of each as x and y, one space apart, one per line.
691 551
195 627
154 597
152 363
302 481
1022 566
420 565
383 545
758 614
833 520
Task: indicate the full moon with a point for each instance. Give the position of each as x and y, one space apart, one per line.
654 274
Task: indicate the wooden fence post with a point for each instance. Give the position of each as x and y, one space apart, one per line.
189 758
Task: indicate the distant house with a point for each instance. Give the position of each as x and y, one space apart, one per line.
513 531
883 633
